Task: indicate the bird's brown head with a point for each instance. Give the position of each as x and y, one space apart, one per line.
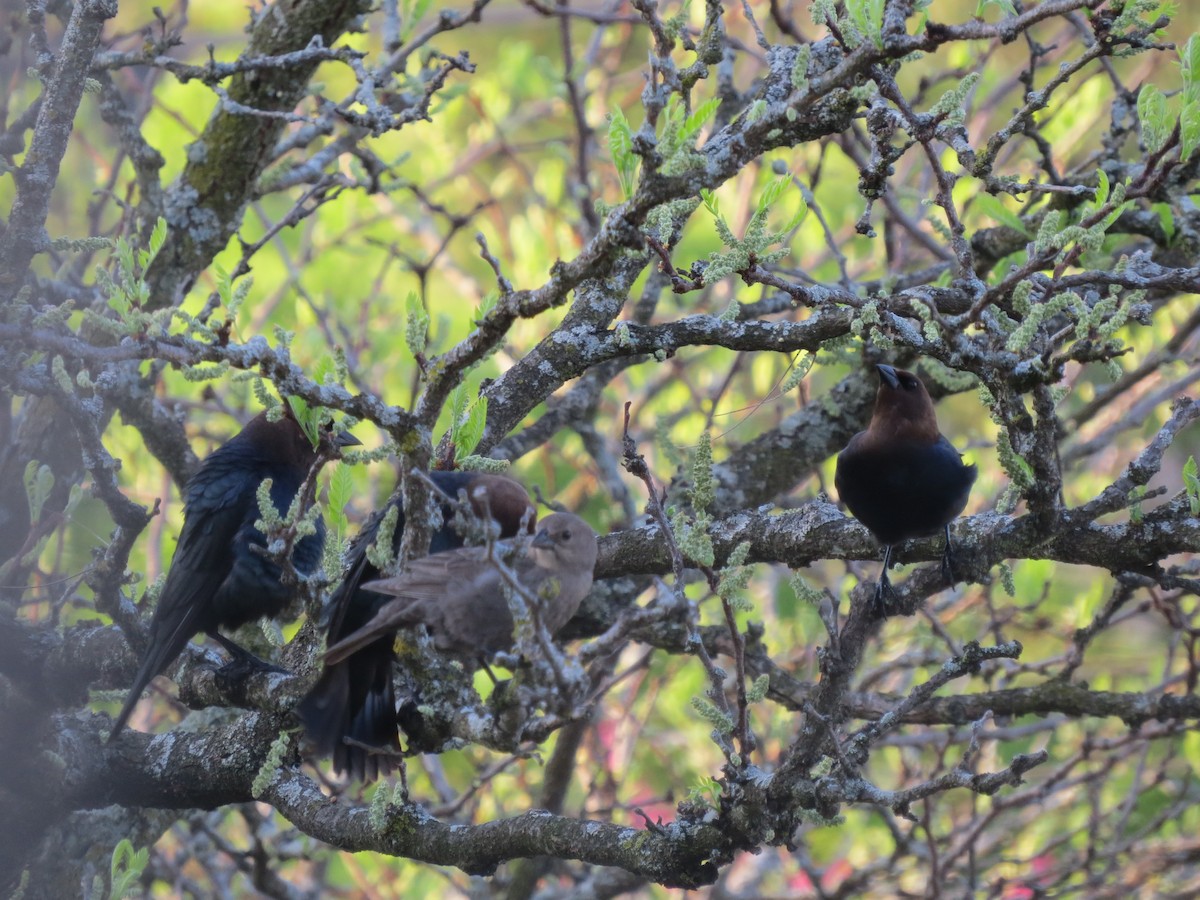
284 440
504 500
903 409
564 542
340 440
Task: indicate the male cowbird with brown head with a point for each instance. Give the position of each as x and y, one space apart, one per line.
901 478
354 698
460 596
218 579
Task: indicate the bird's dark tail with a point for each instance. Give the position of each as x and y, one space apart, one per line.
160 653
351 712
144 676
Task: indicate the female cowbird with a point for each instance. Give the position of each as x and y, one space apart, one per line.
459 596
355 698
901 478
217 580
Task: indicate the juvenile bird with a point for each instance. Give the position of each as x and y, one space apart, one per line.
355 698
901 478
216 579
459 596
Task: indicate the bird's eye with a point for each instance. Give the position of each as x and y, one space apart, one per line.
566 535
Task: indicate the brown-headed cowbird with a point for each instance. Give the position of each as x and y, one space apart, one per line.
217 580
901 478
459 596
355 698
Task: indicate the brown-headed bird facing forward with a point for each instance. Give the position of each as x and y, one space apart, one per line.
459 596
901 478
352 707
217 578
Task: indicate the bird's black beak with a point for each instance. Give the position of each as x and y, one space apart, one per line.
346 439
888 376
543 541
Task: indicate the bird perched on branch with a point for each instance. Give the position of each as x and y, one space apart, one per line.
354 698
459 596
219 576
901 478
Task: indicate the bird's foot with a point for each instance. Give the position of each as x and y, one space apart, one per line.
231 678
948 560
243 658
885 602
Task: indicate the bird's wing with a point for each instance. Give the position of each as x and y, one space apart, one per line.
202 560
345 611
571 588
424 594
433 577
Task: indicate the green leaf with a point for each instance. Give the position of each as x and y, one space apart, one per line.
1189 129
126 868
325 371
307 417
794 221
410 14
39 481
472 428
467 420
1191 484
224 283
1155 121
620 146
1135 508
486 305
419 9
774 190
867 16
993 207
701 114
1189 64
1005 5
158 237
1102 188
714 207
341 486
458 406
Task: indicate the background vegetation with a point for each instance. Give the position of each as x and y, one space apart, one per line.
714 218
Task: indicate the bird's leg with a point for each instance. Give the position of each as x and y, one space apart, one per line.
948 559
244 662
488 669
884 595
389 759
